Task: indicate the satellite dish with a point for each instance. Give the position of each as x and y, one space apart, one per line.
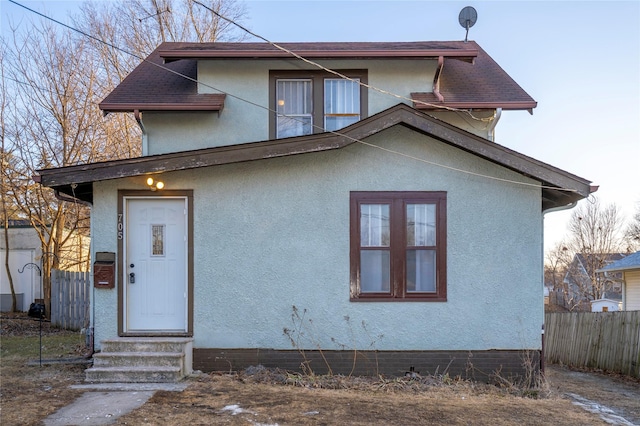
467 18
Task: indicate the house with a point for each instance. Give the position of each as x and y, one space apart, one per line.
583 284
282 214
24 266
25 262
605 305
629 267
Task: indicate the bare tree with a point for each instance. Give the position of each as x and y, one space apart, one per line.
5 182
123 33
130 30
632 233
57 78
51 124
594 235
557 261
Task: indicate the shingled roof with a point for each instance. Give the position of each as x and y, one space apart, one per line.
631 261
481 84
470 78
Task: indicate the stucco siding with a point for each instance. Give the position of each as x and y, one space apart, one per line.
104 220
632 290
273 234
245 117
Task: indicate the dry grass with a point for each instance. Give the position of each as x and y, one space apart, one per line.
242 400
30 393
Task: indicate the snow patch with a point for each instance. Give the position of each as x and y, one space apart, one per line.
606 413
235 409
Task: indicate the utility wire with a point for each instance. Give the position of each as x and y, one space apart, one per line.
322 67
293 118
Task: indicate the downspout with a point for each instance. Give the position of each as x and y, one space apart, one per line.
544 212
494 123
145 140
436 79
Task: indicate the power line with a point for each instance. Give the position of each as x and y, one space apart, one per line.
293 118
322 67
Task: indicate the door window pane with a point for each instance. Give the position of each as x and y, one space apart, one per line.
294 107
157 240
421 271
421 225
374 271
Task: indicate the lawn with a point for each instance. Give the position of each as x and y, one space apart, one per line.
29 393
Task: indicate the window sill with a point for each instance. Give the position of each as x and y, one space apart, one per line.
371 298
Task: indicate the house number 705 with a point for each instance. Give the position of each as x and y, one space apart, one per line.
119 226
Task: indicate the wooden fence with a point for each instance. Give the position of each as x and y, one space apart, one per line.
605 340
70 299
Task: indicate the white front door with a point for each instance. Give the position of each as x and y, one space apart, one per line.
155 264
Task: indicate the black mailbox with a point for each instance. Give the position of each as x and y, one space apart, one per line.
104 270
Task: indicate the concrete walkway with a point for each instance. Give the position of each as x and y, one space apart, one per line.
104 403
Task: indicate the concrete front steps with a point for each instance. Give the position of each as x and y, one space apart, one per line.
141 360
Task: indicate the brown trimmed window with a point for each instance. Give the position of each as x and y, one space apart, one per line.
398 246
312 102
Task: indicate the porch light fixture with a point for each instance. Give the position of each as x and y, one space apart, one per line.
155 185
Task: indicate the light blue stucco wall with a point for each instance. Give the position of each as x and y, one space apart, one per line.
245 117
273 234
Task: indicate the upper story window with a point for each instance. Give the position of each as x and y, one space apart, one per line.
398 246
312 102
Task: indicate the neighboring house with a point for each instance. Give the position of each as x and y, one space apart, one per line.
25 262
24 266
579 286
629 267
605 305
407 238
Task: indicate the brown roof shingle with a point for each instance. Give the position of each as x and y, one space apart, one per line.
483 84
155 86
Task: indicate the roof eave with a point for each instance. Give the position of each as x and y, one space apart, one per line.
528 106
620 269
173 55
188 106
570 188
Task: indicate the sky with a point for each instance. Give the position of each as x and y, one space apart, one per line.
580 60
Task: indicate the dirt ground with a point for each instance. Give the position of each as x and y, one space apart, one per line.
29 393
598 392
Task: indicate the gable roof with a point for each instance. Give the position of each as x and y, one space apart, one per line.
561 188
584 265
631 261
470 78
